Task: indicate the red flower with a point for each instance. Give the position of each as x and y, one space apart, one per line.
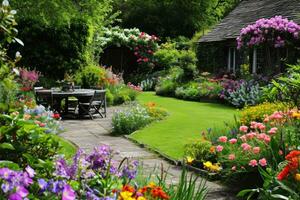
128 188
56 116
283 174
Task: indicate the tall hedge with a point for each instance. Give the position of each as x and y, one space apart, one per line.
59 34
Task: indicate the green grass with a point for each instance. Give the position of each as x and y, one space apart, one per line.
184 124
67 148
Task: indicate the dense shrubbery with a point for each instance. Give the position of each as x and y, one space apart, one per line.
136 117
59 35
91 76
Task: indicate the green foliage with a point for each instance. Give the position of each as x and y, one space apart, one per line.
248 93
59 35
272 188
183 17
121 93
8 32
285 88
91 76
24 142
167 56
199 150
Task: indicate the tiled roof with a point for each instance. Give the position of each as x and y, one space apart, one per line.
249 11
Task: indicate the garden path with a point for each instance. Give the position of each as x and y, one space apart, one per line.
87 134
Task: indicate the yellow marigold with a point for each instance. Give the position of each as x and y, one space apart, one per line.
126 196
189 159
297 177
141 198
151 104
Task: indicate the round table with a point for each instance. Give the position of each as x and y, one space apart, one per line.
83 95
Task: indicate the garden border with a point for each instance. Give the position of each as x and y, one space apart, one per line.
203 173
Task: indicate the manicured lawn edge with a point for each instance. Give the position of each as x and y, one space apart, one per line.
68 147
159 153
203 173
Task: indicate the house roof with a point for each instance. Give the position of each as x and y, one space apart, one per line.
248 12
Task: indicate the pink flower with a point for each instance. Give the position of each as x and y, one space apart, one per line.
267 139
253 163
233 141
246 147
223 139
277 115
262 162
244 129
261 136
219 148
243 138
42 124
253 125
233 168
231 157
261 126
68 193
256 150
251 135
272 131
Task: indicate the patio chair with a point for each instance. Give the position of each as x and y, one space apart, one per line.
96 105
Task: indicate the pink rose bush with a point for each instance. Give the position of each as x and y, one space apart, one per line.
258 144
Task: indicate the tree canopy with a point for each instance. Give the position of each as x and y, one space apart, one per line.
171 18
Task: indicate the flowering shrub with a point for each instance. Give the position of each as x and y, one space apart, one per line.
28 79
43 118
258 112
141 43
276 31
134 87
229 86
136 117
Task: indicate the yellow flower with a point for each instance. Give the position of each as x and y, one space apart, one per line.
126 196
296 115
207 164
297 177
189 159
151 185
141 198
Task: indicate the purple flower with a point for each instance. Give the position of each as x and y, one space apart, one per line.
30 171
5 173
42 184
15 196
22 191
68 193
5 187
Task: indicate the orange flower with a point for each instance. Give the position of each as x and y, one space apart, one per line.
128 188
212 149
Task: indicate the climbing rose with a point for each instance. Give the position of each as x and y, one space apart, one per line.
256 150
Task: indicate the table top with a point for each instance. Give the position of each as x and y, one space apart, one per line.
75 93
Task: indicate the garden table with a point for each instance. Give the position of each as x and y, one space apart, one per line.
83 95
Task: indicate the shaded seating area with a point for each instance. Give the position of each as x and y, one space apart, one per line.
78 103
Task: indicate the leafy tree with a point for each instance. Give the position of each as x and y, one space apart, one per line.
171 18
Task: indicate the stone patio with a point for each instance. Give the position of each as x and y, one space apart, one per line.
87 134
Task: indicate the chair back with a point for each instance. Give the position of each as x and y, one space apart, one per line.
99 95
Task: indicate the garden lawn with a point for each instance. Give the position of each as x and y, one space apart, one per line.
184 124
